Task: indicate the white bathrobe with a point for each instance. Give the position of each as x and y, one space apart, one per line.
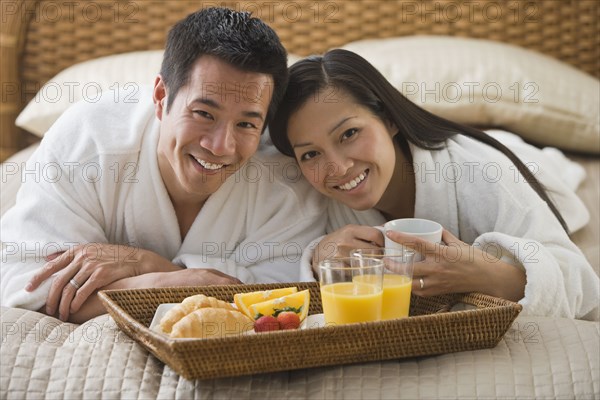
476 193
95 178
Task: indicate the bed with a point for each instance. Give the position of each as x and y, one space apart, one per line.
543 56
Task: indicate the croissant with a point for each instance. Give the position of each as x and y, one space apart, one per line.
189 305
211 323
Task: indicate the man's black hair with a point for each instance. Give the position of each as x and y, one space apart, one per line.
245 42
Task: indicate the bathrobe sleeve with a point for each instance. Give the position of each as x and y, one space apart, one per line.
72 192
499 212
57 208
560 281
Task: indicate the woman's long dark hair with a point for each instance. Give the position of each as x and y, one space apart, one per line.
342 69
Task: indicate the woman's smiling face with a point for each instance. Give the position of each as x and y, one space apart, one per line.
343 150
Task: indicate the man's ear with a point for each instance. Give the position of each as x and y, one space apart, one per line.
159 96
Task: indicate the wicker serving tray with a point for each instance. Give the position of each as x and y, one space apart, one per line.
431 329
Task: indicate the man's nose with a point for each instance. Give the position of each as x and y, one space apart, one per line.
220 141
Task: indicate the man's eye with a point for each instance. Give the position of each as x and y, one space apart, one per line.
349 133
308 155
203 114
247 125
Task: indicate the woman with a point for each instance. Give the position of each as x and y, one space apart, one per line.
360 142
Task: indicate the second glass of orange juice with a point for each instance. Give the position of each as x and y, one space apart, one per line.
351 289
397 278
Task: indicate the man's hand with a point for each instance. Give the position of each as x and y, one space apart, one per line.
92 307
83 270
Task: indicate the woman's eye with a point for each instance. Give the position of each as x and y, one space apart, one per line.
308 155
349 133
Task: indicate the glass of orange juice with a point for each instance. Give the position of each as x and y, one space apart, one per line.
397 278
351 289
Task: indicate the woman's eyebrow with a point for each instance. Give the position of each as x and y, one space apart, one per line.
340 123
301 145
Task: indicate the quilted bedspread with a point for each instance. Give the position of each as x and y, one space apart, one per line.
539 358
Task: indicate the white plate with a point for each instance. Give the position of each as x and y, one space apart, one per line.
311 321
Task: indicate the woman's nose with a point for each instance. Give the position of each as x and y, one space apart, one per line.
338 166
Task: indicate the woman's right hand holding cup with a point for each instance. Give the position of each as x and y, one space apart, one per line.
340 242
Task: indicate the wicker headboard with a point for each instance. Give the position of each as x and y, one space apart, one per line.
40 38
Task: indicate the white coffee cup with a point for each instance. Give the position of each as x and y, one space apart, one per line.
422 228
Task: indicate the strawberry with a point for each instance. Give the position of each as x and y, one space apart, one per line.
266 323
288 320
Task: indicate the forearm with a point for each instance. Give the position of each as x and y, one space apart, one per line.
150 262
181 277
93 307
200 261
503 280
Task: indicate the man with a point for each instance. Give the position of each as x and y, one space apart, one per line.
165 192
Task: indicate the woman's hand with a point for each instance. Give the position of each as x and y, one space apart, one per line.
340 242
456 267
83 270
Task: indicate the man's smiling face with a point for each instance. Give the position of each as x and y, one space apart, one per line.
212 127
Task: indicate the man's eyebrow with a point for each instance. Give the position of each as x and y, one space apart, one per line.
208 102
214 104
254 114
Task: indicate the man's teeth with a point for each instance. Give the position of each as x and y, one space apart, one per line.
209 165
353 183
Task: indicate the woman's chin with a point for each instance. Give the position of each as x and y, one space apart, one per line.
357 205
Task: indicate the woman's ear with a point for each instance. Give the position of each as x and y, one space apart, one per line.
391 127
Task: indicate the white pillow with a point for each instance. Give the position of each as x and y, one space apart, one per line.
120 74
491 84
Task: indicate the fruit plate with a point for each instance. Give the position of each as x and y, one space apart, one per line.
432 328
311 321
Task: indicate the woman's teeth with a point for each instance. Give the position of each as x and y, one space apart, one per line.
209 165
353 183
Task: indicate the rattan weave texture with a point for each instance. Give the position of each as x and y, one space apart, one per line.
431 329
